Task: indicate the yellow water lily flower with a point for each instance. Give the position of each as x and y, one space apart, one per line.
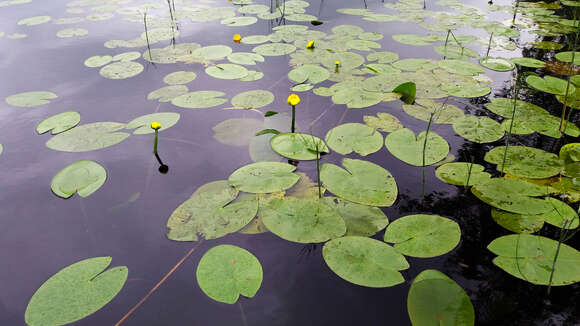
293 99
337 63
155 125
237 38
310 45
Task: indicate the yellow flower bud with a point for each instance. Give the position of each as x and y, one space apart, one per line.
310 45
293 99
237 38
337 63
155 125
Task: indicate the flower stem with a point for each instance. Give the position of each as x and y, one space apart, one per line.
293 117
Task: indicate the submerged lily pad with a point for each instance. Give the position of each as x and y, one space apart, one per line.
75 292
478 129
550 85
512 195
530 258
361 220
354 137
199 100
384 122
365 261
142 124
303 220
423 235
30 99
406 147
211 213
452 305
88 137
523 161
237 131
361 182
121 70
497 64
264 177
225 272
59 123
253 99
83 176
179 77
298 146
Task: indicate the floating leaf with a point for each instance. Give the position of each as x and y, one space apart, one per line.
442 112
361 220
239 21
312 74
167 93
455 52
88 137
415 64
264 177
460 67
121 70
179 77
361 182
298 146
423 235
363 45
227 71
83 176
237 131
225 271
550 85
567 56
71 32
416 39
30 99
253 99
127 56
559 214
212 52
452 306
365 261
523 161
142 124
465 89
59 123
211 213
383 57
518 223
546 45
356 98
75 292
302 220
245 58
385 122
98 61
528 62
404 146
274 49
530 258
513 195
354 137
478 129
462 173
37 20
497 64
199 100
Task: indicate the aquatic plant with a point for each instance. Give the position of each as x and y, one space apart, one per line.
293 100
155 126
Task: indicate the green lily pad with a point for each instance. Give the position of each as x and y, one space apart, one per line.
528 62
460 67
37 20
83 177
406 147
302 88
497 64
356 98
88 137
312 73
384 122
199 100
142 124
550 85
383 57
212 52
455 52
211 213
167 93
512 195
225 271
517 223
239 21
466 89
363 45
298 146
303 220
530 258
253 99
452 305
527 162
71 32
478 129
361 220
354 137
546 45
274 49
127 56
179 77
255 39
227 71
416 39
560 213
30 99
237 131
415 64
567 56
245 58
121 70
264 177
365 261
361 182
75 292
59 123
98 61
423 235
442 113
462 173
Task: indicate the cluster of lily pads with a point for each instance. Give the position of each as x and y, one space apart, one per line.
270 196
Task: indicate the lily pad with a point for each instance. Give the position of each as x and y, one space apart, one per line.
239 21
179 77
361 220
227 71
550 85
518 223
523 161
546 45
59 123
406 147
264 177
460 67
512 195
361 182
167 93
442 113
121 70
212 52
245 58
354 137
303 220
142 124
98 61
274 49
37 20
225 271
365 261
528 62
30 99
199 100
466 89
211 213
384 122
383 57
298 146
455 52
253 99
83 176
462 173
88 137
567 56
497 64
72 32
75 292
237 131
356 98
312 74
415 64
423 235
530 258
478 129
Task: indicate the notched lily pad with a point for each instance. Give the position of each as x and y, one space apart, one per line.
354 137
83 177
264 177
142 124
30 99
88 137
406 147
298 146
59 123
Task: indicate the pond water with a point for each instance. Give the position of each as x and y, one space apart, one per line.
126 217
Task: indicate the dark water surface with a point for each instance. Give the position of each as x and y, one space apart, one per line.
41 233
